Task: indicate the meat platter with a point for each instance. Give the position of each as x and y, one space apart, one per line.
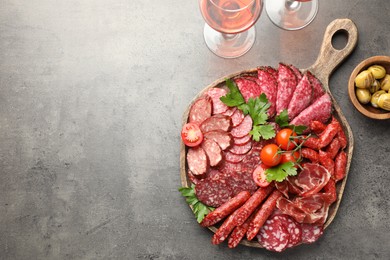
227 148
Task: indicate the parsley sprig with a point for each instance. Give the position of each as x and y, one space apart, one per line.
257 108
200 210
280 172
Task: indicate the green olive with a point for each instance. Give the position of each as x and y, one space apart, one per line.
375 86
363 95
385 83
375 97
364 79
384 101
377 71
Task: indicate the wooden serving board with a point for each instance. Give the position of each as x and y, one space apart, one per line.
328 60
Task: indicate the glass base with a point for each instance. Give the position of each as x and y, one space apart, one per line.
229 45
291 15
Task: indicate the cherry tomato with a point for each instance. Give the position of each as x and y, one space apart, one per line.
283 139
290 157
191 134
269 155
260 177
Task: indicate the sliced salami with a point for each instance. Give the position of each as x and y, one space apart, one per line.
301 98
294 229
241 149
213 151
320 110
311 233
274 236
216 122
230 111
212 192
248 88
287 82
237 117
197 161
271 71
268 86
222 138
216 94
242 140
233 158
244 128
200 110
318 90
297 72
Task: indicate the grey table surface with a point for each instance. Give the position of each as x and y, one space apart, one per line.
91 100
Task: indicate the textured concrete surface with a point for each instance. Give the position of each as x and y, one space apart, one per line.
91 98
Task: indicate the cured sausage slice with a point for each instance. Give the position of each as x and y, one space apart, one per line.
230 111
213 151
237 117
271 71
241 149
274 236
248 88
242 140
244 128
233 158
213 192
268 86
301 98
222 138
197 161
225 209
200 110
287 82
311 233
293 228
318 90
320 110
216 122
296 71
215 94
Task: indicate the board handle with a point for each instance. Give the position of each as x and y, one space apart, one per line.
330 58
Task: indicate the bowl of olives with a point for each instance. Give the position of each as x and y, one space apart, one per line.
369 87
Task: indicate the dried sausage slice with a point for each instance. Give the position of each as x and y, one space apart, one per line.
301 98
216 122
242 140
197 161
274 236
222 138
200 110
213 192
311 233
244 128
241 149
237 117
268 86
233 158
218 106
318 90
213 151
287 82
248 88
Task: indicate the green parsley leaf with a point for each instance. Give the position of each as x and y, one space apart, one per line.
298 129
265 131
279 173
233 98
200 210
282 119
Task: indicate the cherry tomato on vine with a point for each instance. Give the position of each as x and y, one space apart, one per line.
269 155
290 157
259 176
283 139
191 134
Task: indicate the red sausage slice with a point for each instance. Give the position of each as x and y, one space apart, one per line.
222 138
216 94
216 122
197 161
244 128
200 110
213 151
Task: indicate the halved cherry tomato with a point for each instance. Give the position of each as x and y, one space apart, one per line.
259 176
283 139
191 134
269 155
290 157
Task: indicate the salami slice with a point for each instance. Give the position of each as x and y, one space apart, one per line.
274 236
216 122
237 117
293 228
244 128
222 138
271 71
318 90
311 233
242 140
200 110
197 161
287 82
301 98
241 149
216 94
233 158
320 110
268 86
213 151
230 111
248 88
212 192
296 71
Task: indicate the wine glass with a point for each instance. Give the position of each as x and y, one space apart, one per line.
229 30
291 14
